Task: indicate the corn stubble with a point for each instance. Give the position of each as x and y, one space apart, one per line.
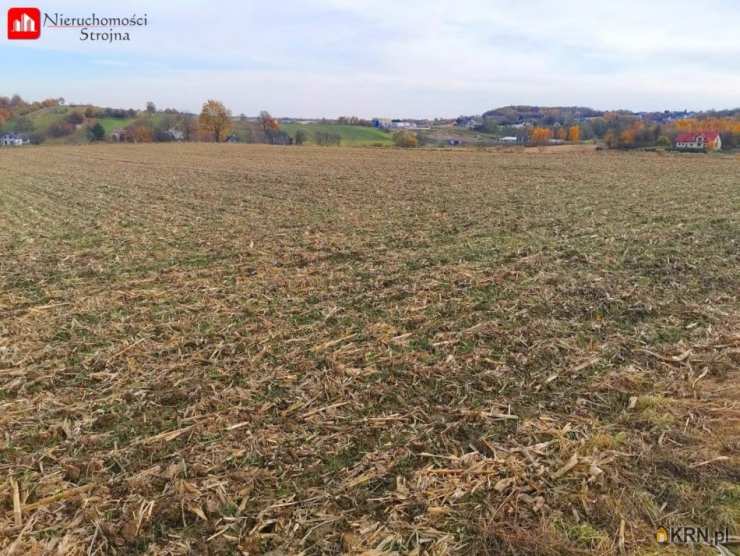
211 349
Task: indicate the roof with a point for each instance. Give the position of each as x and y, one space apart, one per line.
691 137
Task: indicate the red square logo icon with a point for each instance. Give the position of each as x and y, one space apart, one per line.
24 23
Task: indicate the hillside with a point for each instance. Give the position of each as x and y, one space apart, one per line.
548 115
350 134
45 122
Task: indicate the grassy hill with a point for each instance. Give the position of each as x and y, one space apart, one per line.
45 118
351 135
109 124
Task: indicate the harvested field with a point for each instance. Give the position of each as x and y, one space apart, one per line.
225 349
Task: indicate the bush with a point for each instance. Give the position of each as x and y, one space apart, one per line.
324 138
729 140
75 118
118 113
162 135
663 141
96 132
405 139
139 132
301 136
279 138
61 129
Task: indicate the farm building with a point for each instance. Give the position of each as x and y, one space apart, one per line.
176 134
401 124
699 141
382 123
13 140
385 123
469 122
119 135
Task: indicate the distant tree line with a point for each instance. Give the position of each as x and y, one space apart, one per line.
215 123
354 120
326 138
617 129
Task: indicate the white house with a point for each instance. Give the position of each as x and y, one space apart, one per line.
176 134
700 141
118 135
382 123
400 124
13 140
469 122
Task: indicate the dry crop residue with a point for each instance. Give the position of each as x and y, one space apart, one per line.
222 349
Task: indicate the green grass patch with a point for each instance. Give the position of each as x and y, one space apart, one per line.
351 135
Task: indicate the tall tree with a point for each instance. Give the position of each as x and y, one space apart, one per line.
540 135
96 132
268 124
301 136
189 126
215 120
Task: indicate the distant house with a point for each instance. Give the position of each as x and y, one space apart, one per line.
401 124
469 122
233 138
382 123
509 140
13 140
118 135
454 142
176 134
699 141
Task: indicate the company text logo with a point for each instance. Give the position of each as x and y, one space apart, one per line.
26 24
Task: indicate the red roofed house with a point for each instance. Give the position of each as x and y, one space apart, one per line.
699 141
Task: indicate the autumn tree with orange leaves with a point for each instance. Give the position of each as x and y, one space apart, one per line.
540 136
215 120
139 132
574 134
727 125
268 124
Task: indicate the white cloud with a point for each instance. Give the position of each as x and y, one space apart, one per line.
414 58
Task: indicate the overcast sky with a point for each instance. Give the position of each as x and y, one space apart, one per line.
391 58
